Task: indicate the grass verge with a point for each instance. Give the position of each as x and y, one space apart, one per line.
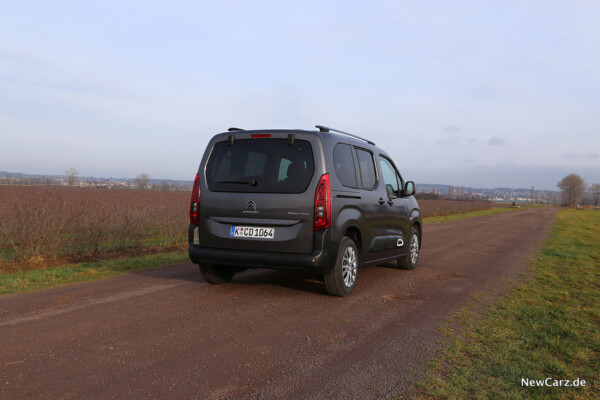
82 272
546 327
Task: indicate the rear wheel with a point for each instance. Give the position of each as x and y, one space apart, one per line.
217 274
410 260
340 281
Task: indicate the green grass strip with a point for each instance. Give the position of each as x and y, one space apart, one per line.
470 214
83 272
546 327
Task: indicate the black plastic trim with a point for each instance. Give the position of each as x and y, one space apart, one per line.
318 262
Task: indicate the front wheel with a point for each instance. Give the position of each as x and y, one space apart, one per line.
409 261
340 281
217 274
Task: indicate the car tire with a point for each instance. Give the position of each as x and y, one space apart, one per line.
216 274
410 260
341 280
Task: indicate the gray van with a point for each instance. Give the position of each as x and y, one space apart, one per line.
324 201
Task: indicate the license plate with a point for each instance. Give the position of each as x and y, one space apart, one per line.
252 232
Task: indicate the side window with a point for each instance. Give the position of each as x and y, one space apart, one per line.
344 165
390 178
366 168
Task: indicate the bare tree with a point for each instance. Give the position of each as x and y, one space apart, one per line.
72 175
141 181
470 194
572 187
165 185
450 192
595 191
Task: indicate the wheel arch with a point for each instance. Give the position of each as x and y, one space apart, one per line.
354 233
417 224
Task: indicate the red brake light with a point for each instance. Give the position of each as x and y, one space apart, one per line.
262 135
195 202
323 204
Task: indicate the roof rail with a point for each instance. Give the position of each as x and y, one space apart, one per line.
326 129
234 129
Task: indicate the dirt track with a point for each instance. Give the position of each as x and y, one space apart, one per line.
166 334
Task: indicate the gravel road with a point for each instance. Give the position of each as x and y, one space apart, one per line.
166 334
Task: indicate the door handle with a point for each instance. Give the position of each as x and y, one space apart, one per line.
390 202
381 200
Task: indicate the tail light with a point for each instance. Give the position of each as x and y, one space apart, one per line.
195 202
323 204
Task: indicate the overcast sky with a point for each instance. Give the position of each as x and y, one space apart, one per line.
469 93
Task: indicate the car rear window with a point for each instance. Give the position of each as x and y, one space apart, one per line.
260 166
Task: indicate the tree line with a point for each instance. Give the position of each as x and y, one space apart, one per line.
72 178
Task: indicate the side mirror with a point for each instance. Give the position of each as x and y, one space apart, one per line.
409 188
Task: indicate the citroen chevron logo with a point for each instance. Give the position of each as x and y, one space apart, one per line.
250 205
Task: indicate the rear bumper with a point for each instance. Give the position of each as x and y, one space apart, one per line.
319 261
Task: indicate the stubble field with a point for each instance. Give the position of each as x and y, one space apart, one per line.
42 223
42 226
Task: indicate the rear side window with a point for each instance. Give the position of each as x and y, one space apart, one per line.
344 165
260 166
366 168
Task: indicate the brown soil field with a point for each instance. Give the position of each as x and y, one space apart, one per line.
42 226
436 208
46 222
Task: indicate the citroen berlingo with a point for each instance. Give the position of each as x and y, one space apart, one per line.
323 201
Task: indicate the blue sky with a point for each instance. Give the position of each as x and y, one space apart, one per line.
469 93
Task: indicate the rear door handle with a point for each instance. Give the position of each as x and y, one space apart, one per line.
390 202
381 200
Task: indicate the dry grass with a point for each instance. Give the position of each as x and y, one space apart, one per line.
41 223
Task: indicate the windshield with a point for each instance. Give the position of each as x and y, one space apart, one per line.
260 166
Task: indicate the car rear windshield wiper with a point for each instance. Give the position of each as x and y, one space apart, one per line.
251 182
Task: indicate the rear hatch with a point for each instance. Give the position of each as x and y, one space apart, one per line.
256 194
